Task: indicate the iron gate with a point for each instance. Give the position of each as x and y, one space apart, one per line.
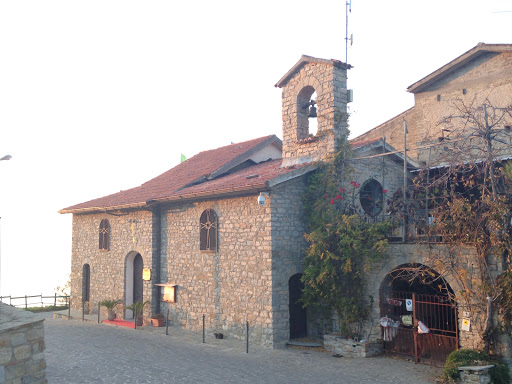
400 330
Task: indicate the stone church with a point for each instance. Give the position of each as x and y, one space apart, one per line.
221 234
223 229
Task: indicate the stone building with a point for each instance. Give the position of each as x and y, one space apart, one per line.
221 234
481 75
224 229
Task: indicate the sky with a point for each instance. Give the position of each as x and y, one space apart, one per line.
101 96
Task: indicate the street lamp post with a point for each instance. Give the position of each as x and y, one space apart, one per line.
6 157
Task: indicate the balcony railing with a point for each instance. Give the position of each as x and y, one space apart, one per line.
420 227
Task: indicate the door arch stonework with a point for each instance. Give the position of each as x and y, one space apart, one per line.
418 314
133 285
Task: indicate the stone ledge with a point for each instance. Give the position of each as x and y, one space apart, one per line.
351 348
476 368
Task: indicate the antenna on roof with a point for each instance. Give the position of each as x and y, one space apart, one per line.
348 8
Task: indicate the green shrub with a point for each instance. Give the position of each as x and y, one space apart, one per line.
48 308
465 357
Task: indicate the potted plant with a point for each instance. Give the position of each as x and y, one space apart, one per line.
138 309
110 305
157 320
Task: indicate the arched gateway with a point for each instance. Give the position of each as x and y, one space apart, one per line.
418 314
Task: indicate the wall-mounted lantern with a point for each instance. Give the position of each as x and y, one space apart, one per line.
168 292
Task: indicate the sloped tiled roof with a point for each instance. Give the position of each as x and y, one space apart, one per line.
304 59
475 52
362 143
191 178
201 177
247 179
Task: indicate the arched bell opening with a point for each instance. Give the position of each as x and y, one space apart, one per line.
307 124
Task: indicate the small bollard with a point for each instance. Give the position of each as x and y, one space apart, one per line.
167 323
135 318
69 309
83 310
247 339
203 331
99 312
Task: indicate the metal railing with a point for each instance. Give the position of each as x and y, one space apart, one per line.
420 227
35 300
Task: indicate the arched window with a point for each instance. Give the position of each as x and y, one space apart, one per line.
371 197
104 242
208 231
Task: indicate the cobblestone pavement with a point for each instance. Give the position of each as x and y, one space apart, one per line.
87 352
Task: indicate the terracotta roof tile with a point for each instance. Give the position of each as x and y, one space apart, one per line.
362 143
182 178
251 178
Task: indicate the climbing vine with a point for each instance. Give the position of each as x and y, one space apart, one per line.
342 245
466 205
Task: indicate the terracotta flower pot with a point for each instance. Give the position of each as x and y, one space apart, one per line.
111 315
159 322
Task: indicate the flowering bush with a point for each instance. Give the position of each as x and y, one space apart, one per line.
341 246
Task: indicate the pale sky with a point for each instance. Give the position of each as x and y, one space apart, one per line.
100 96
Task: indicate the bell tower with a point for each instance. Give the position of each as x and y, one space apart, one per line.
328 80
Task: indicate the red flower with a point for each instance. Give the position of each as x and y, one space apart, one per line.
332 201
342 190
384 191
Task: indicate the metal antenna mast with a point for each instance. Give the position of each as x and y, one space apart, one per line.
348 8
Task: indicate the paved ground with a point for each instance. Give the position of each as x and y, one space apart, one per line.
87 352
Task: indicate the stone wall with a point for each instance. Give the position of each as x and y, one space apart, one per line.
342 346
230 286
131 232
330 83
490 80
246 279
399 254
22 347
288 243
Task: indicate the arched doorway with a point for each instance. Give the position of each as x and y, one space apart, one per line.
86 283
133 291
418 314
298 314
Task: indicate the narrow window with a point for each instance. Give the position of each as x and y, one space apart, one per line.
208 231
104 235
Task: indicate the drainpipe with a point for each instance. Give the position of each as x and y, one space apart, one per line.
156 246
405 182
488 323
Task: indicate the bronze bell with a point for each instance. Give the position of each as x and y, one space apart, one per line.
312 111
